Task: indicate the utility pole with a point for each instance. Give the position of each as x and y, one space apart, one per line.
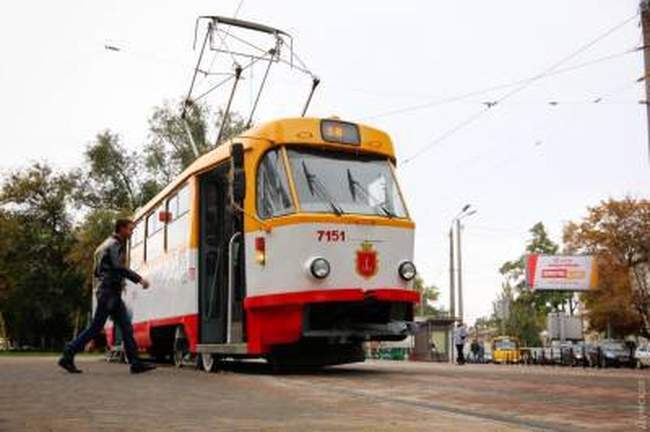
645 26
452 297
460 271
452 279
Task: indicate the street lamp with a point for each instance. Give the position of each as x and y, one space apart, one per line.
460 260
463 213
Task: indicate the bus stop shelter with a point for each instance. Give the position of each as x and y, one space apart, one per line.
432 342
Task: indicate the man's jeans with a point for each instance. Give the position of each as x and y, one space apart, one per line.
109 304
460 355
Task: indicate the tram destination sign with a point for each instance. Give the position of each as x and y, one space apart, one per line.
560 272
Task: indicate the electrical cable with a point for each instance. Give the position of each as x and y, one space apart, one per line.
486 90
475 116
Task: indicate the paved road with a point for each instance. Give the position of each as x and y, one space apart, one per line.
374 396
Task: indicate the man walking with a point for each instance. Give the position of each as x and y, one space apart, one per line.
460 334
109 273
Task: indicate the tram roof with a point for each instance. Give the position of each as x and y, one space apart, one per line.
300 130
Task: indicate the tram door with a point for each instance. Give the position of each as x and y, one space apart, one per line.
217 227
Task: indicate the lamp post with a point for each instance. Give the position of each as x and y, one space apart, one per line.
464 212
460 261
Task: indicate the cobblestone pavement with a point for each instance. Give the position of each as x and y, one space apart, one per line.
374 396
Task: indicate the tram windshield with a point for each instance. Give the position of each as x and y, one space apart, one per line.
342 183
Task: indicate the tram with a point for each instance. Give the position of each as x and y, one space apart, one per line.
290 242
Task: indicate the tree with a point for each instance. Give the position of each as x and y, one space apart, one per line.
39 289
169 149
528 310
113 179
617 233
429 295
45 258
122 180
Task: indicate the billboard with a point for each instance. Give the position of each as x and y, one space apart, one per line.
560 272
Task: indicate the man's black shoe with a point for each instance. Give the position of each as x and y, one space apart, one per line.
67 362
142 367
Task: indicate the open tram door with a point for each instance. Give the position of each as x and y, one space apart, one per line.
221 261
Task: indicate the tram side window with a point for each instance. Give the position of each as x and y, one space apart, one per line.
137 245
155 234
177 228
273 196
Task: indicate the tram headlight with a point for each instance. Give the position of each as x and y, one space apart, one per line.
319 268
407 270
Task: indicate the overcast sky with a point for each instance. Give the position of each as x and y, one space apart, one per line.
524 161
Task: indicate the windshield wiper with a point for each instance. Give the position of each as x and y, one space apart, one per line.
320 189
352 184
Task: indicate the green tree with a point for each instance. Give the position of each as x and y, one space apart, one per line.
113 178
169 148
528 310
40 289
45 258
429 295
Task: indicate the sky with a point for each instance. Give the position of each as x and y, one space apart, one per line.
545 153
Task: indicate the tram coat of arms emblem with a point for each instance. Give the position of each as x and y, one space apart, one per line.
367 262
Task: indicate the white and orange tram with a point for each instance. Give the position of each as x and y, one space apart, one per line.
291 242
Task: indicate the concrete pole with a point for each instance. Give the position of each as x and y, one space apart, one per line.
452 289
645 26
452 278
460 271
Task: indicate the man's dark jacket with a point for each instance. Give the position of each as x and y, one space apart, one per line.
110 267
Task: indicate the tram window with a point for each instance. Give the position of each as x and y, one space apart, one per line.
137 245
172 207
183 200
178 207
153 223
155 234
273 196
353 183
138 234
179 204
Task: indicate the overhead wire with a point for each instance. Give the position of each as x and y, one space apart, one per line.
603 98
475 116
464 96
528 151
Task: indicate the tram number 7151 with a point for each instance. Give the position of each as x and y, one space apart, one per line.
330 235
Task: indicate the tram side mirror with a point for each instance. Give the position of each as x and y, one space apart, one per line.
238 181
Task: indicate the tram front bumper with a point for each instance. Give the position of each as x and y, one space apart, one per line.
393 330
334 315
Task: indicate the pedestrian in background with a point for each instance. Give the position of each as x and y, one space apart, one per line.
474 349
109 272
460 335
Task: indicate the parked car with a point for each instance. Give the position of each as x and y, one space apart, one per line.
559 353
642 356
579 354
608 353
